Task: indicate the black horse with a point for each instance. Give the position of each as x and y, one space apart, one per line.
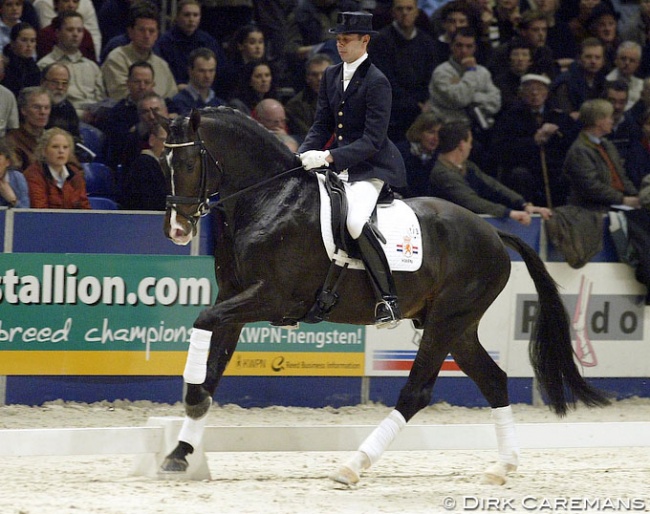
270 263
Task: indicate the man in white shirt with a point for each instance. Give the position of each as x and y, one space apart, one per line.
86 81
46 13
143 31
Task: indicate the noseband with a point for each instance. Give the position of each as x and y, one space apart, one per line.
202 200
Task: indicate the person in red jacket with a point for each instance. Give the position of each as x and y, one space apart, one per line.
54 182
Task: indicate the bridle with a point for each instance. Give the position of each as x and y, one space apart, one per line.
202 200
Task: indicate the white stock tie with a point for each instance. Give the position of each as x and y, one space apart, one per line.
347 76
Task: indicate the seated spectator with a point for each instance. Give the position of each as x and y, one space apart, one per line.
559 37
56 79
11 12
419 151
47 37
119 120
54 182
579 24
86 84
626 62
144 187
271 115
637 163
20 68
584 80
255 84
143 33
508 17
509 82
34 106
202 68
637 111
8 107
459 180
183 37
531 140
460 84
532 29
602 24
149 107
302 107
47 13
13 186
405 55
594 168
247 44
455 15
624 130
308 26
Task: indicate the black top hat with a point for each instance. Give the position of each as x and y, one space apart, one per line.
353 23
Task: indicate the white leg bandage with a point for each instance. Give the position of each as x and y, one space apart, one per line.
504 424
382 436
192 430
197 356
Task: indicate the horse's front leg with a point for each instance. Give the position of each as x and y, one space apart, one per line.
212 345
200 389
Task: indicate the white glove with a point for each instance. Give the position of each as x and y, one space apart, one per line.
314 159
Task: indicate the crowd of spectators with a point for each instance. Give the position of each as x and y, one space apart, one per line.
517 91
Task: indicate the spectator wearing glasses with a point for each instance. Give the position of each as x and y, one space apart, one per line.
86 85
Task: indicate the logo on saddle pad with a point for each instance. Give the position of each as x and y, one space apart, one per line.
398 224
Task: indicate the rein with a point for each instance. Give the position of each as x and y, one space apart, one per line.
203 200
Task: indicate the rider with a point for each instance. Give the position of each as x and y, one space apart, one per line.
354 105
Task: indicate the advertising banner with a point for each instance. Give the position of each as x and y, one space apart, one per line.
608 319
87 314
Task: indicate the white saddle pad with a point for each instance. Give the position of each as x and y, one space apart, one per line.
397 222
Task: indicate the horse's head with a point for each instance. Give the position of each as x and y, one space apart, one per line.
193 176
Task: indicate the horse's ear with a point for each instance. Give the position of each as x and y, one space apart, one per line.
195 120
162 121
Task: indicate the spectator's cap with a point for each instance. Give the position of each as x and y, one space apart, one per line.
600 10
353 23
534 77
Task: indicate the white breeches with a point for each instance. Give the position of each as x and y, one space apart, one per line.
362 198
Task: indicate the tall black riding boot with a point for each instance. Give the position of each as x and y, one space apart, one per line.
387 313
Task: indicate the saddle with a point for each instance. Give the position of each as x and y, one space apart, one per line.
342 239
327 296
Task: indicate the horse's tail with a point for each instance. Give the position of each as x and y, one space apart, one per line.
551 351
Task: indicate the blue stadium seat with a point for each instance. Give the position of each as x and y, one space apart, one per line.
100 203
99 180
93 139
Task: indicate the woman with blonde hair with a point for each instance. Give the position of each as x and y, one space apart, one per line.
55 182
13 186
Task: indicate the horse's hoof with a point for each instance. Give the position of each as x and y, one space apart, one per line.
200 409
174 465
496 473
345 476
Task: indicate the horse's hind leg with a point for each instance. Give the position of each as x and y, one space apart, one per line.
201 378
477 364
414 396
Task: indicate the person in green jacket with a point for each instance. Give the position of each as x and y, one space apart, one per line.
458 180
